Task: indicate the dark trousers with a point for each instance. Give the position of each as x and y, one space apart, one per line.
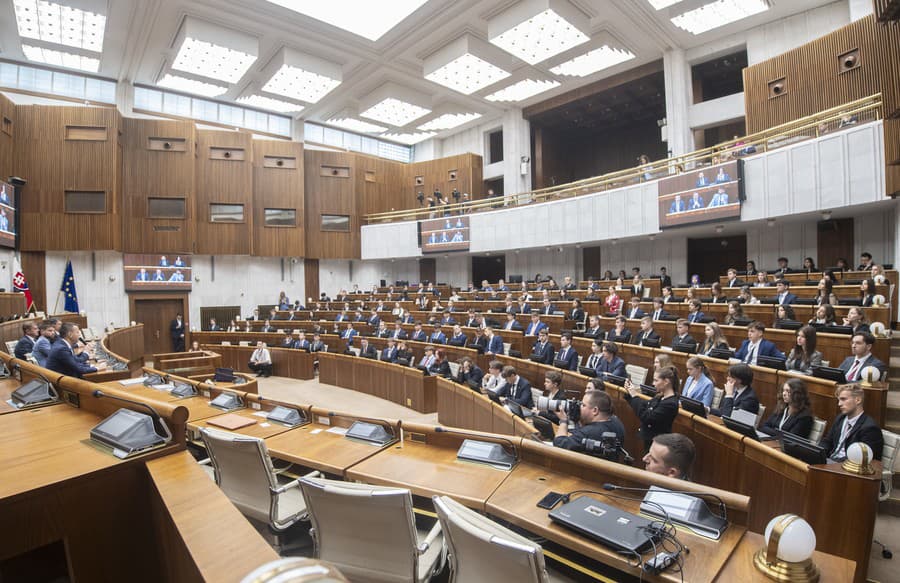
263 370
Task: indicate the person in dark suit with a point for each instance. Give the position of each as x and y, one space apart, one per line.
142 275
756 346
597 417
366 350
534 328
733 279
373 320
547 308
389 352
349 333
437 335
783 268
861 346
458 338
664 279
594 330
657 414
637 287
511 323
213 326
418 335
567 357
440 366
176 332
287 342
469 374
784 296
668 296
542 351
301 343
738 392
658 312
647 334
717 296
516 388
852 425
479 340
25 345
577 312
398 333
317 345
677 205
62 357
634 311
610 363
494 342
793 413
695 315
620 333
682 334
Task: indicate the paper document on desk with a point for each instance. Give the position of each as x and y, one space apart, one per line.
337 430
163 387
136 381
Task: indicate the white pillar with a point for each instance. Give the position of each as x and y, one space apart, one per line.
860 9
516 145
679 94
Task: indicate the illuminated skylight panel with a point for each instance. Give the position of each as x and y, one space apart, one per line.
660 4
300 84
394 112
213 61
522 90
61 58
263 102
540 37
356 125
410 138
58 24
365 18
716 14
467 74
593 61
448 121
191 86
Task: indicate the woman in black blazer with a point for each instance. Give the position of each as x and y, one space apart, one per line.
866 292
793 413
657 414
440 367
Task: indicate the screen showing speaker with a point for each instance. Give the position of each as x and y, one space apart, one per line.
444 234
711 193
155 272
7 215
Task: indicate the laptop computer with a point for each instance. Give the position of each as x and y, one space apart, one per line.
617 529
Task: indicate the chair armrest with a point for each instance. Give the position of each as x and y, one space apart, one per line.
295 483
429 540
205 462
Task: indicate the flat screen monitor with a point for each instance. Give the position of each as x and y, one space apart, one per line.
587 371
803 449
445 234
156 272
722 353
831 374
771 362
837 330
713 193
693 406
7 215
740 427
685 347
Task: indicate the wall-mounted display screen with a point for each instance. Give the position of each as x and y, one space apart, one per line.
7 215
712 193
444 234
154 272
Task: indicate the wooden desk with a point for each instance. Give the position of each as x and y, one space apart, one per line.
739 566
403 385
261 428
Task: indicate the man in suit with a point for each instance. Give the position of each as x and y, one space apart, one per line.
647 334
635 312
349 333
471 320
756 346
664 279
658 312
547 308
610 363
852 425
438 336
783 268
695 315
535 326
479 340
389 352
447 319
62 357
176 332
524 307
861 348
287 342
317 345
720 198
576 314
511 323
510 307
373 320
25 345
670 454
494 342
738 392
301 343
682 336
469 374
418 334
213 326
696 202
516 388
865 262
567 358
43 345
568 284
733 280
342 317
458 338
142 275
366 350
267 327
542 349
677 205
784 297
397 333
594 330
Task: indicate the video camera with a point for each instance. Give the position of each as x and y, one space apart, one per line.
607 447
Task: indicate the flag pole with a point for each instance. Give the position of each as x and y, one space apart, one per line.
59 290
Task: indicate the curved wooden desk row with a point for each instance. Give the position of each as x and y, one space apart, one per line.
187 364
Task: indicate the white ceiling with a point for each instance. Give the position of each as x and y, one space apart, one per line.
140 35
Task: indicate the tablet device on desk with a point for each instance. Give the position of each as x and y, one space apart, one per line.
544 427
648 390
614 379
723 353
518 410
740 427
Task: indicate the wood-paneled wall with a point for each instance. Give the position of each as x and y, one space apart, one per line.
7 135
224 175
382 185
278 183
153 170
330 180
437 173
55 156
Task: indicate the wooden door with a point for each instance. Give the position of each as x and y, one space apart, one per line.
835 241
156 315
427 270
712 256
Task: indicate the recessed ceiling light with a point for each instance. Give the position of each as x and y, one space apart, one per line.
716 14
186 85
61 58
263 102
535 30
366 19
465 65
300 76
522 90
410 138
63 25
355 125
394 105
448 121
593 61
660 4
214 52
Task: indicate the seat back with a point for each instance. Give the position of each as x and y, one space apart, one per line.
11 346
761 414
817 431
482 550
506 346
637 374
454 368
718 395
888 457
366 531
243 470
535 394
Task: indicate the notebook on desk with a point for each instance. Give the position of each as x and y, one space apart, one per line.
230 421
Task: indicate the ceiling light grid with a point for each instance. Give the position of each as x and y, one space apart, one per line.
300 76
716 14
522 90
188 85
60 24
409 139
394 105
214 52
61 58
263 102
466 64
349 121
535 30
448 121
370 20
593 61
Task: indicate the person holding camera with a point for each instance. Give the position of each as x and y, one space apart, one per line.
657 414
596 417
553 387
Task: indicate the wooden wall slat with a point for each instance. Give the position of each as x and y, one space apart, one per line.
278 187
223 181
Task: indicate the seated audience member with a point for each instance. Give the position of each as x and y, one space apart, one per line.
809 265
668 297
398 333
852 425
735 313
597 417
287 341
213 327
783 295
784 313
739 393
232 326
366 349
63 358
248 327
733 280
751 268
865 262
547 308
861 357
824 316
349 333
634 311
804 356
567 357
267 327
613 302
382 331
542 351
695 314
658 312
469 374
427 358
576 313
535 326
698 386
620 333
756 346
662 360
856 319
511 323
825 293
695 281
458 338
762 279
494 342
637 287
437 336
25 345
793 413
672 455
515 388
683 336
878 270
493 380
596 354
664 279
594 330
261 360
717 295
867 292
389 352
657 414
42 346
440 366
610 363
553 389
404 354
418 335
523 306
783 268
647 334
746 296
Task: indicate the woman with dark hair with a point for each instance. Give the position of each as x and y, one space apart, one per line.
718 296
856 319
784 313
751 268
714 339
824 315
613 302
866 292
793 412
657 414
825 293
809 265
735 312
804 355
440 366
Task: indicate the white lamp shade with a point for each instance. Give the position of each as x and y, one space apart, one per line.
797 542
878 300
879 279
855 452
870 374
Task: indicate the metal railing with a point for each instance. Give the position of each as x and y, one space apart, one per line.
853 113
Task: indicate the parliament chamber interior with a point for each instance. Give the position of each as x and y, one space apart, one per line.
531 290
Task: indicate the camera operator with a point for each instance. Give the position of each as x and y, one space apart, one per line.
553 387
597 417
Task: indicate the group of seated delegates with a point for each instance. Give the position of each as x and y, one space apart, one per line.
38 339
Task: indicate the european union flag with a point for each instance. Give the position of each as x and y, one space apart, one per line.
68 289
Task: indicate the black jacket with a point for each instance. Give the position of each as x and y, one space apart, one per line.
865 430
800 424
656 415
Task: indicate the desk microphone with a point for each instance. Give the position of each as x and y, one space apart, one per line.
480 437
153 413
387 426
721 502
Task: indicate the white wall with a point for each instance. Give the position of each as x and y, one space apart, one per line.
775 38
7 268
100 290
338 274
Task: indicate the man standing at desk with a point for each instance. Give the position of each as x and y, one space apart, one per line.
62 357
597 418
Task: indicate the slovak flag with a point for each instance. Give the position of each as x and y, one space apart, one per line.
20 284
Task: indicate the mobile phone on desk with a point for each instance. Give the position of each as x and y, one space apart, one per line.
550 500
